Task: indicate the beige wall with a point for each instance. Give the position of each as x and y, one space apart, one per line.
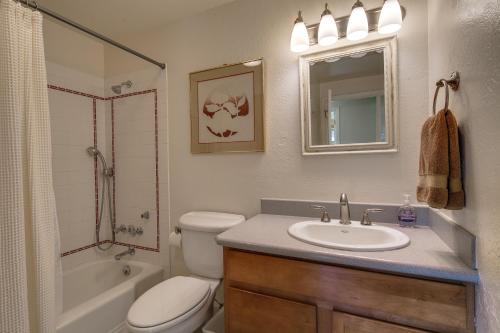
70 48
463 36
249 29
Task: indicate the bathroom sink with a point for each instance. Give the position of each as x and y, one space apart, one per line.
352 237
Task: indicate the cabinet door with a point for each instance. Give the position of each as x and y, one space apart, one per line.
248 312
346 323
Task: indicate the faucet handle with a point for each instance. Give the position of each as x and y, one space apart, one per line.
365 220
121 228
324 213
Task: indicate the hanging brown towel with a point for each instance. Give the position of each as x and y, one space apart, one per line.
440 183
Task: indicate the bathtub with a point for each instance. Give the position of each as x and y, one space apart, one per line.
97 295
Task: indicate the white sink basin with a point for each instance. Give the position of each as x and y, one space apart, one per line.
352 237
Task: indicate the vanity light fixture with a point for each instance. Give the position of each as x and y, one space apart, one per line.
357 27
386 20
327 31
391 18
253 63
299 42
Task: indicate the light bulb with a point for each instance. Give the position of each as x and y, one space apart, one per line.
327 31
253 63
357 27
390 19
299 42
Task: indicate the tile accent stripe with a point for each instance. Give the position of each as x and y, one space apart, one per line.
95 98
96 177
67 253
74 92
113 157
157 175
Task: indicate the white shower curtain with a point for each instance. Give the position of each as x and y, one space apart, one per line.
29 238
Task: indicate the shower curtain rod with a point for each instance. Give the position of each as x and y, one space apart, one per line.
34 5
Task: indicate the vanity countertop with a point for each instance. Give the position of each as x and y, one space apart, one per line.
426 256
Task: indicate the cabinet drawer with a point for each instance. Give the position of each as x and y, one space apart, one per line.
432 305
346 323
248 312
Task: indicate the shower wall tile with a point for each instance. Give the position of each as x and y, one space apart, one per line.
137 155
135 162
72 126
81 117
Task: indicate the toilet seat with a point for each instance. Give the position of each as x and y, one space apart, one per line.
168 303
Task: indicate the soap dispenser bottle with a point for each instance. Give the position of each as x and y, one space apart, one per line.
407 215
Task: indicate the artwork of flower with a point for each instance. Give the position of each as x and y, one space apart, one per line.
236 106
227 109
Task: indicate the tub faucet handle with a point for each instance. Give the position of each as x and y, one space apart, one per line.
121 228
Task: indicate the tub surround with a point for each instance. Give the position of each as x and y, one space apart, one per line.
427 255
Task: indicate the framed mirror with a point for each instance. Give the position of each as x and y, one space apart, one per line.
349 99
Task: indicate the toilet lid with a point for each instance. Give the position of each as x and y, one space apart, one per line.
168 300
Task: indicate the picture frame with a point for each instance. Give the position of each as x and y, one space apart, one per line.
227 108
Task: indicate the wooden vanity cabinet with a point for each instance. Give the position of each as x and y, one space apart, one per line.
271 294
347 323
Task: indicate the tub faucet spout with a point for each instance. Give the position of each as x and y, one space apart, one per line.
129 251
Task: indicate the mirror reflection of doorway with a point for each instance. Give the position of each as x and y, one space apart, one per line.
358 118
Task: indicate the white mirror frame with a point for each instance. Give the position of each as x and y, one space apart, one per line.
389 45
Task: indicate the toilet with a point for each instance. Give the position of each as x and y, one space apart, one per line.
182 304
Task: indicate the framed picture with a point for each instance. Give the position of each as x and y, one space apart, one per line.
227 109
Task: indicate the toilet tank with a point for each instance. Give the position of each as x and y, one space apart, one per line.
202 255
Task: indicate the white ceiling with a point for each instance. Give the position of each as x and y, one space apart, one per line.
118 17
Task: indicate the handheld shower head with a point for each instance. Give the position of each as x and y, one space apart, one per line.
92 151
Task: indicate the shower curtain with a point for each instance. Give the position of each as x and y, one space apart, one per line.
29 237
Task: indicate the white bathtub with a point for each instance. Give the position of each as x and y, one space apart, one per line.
97 295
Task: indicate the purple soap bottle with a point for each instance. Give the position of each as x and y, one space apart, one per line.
407 215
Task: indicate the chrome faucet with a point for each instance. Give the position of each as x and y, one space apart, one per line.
345 215
129 251
324 213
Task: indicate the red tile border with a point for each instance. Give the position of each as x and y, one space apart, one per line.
113 158
75 92
143 92
96 184
67 253
157 174
96 176
140 247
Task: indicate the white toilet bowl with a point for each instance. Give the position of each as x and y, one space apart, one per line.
178 305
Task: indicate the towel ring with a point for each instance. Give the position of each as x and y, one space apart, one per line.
439 84
453 82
